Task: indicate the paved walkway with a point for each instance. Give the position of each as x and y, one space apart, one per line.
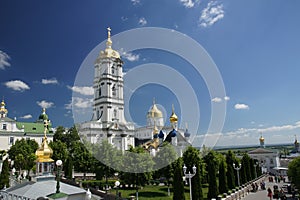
262 194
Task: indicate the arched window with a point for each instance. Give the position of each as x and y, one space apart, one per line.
115 113
114 90
113 70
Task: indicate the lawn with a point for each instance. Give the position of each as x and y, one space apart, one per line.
154 192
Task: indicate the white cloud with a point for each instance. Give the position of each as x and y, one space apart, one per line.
241 106
188 3
130 56
123 18
216 100
211 14
78 102
84 90
135 2
17 85
49 81
142 21
4 60
45 104
226 98
26 116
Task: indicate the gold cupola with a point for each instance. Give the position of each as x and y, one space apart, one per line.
45 152
173 117
3 110
108 52
154 112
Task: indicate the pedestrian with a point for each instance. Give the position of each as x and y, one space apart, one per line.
270 194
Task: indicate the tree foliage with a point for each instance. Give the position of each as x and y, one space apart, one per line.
178 186
191 157
294 171
223 187
23 153
230 159
4 176
212 166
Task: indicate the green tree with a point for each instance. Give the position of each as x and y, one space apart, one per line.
212 166
191 157
230 158
223 187
165 157
60 151
178 186
4 176
23 154
294 172
245 169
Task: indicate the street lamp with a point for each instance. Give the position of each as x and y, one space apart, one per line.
58 164
117 184
237 171
189 176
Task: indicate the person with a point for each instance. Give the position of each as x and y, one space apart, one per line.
270 194
282 195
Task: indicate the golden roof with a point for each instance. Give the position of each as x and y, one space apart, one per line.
154 112
45 152
2 107
109 52
261 139
173 117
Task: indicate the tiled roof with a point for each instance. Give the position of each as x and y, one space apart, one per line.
260 151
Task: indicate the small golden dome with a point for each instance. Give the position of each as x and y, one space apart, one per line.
173 117
154 112
44 153
2 107
2 103
261 139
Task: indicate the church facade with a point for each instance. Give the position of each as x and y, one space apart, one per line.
108 120
12 130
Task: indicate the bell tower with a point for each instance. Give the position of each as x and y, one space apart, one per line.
108 105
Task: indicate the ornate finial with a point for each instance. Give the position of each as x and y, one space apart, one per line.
153 100
109 42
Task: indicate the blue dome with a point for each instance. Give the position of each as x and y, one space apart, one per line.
161 134
155 136
173 133
186 133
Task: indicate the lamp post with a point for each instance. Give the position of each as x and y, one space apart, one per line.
117 184
189 176
255 165
237 171
58 164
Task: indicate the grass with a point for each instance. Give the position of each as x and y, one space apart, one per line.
154 192
57 195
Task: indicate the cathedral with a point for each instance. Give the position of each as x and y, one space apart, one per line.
108 121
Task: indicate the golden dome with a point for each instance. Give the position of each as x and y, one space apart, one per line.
108 52
154 112
173 117
2 107
44 153
261 139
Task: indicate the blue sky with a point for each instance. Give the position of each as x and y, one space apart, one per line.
255 45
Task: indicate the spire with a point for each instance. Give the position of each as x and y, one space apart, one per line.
109 42
3 110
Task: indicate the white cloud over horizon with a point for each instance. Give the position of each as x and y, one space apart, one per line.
226 98
250 136
142 21
26 116
49 81
211 14
84 90
4 58
241 106
17 85
45 104
129 55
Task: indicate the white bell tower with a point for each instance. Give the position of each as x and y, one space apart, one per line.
108 102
